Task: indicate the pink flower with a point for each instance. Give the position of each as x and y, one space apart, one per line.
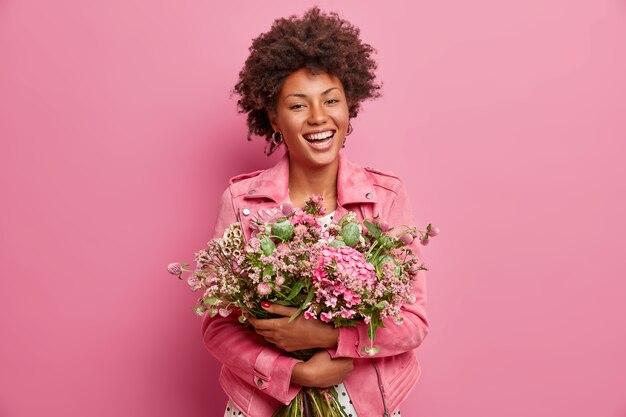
280 280
263 288
193 281
255 243
287 209
224 312
351 298
326 317
309 315
347 314
406 238
175 269
384 225
424 240
331 301
283 248
432 230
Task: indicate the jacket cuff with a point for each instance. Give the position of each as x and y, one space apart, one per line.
347 343
272 375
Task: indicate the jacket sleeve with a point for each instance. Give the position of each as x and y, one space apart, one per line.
240 349
393 339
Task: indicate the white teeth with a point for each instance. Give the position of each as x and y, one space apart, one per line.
319 136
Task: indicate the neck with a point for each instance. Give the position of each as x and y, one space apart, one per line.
307 181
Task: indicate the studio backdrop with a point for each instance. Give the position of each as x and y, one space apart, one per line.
118 134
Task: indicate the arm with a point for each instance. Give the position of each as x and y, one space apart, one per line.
257 362
321 370
393 339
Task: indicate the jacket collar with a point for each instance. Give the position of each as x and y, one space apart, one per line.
354 184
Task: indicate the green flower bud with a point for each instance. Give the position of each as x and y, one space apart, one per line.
267 246
336 243
283 230
351 233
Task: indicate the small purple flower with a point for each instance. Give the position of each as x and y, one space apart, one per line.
224 312
384 225
263 289
287 209
175 269
424 240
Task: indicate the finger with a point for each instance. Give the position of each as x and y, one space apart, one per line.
280 310
265 324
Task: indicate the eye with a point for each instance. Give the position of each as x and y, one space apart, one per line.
297 106
332 101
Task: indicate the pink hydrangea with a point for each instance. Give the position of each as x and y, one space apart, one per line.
326 317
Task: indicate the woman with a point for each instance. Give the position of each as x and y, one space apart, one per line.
302 83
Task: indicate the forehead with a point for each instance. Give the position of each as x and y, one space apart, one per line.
305 82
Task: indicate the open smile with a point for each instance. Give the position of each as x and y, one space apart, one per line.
319 136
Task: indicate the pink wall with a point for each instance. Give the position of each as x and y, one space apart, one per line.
506 120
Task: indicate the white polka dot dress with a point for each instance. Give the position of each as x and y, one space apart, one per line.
342 394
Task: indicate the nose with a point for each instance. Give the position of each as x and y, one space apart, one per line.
317 115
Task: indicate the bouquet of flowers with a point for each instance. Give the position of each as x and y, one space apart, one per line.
348 273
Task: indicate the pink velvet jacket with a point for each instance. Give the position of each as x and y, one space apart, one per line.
255 374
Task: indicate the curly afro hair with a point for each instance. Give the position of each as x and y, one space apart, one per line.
320 42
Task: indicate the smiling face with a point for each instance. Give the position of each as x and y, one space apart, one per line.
312 115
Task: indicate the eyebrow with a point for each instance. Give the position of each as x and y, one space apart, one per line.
304 95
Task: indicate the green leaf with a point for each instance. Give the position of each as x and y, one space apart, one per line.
309 298
268 270
295 290
213 311
371 227
210 301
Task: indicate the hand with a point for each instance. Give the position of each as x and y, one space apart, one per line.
321 370
300 334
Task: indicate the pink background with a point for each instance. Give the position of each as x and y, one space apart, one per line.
505 119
